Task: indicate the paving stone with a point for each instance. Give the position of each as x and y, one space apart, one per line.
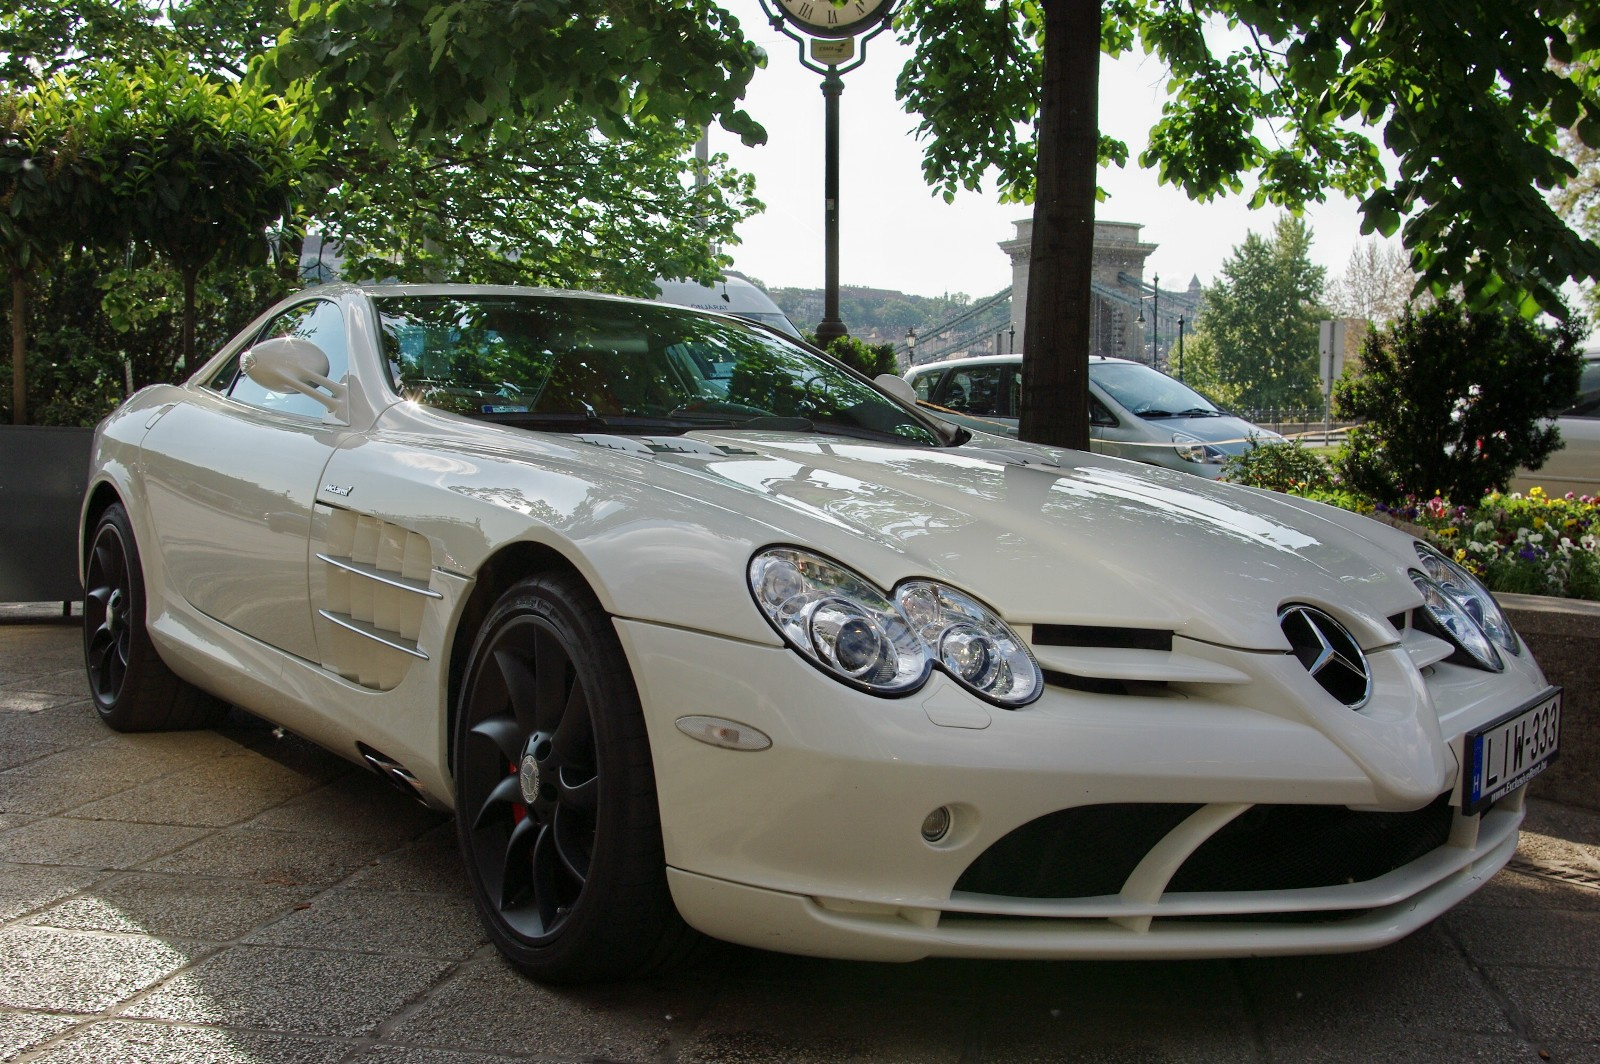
189 907
1560 1005
430 864
66 725
1550 938
92 843
386 1054
1419 983
285 858
24 888
21 751
823 1024
215 793
1356 1044
301 991
353 806
22 1031
488 1007
71 972
157 1043
440 925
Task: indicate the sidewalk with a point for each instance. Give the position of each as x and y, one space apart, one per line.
240 897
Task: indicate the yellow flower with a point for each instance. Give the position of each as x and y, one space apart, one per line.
1461 554
1535 493
1447 531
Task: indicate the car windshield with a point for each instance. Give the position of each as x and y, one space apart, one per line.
585 364
1145 392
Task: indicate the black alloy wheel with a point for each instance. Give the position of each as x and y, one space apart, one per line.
132 687
555 808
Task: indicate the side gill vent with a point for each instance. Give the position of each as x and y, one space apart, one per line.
1329 653
377 577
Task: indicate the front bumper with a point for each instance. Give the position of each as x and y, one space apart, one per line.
814 845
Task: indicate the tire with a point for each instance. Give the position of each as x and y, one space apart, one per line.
555 793
132 688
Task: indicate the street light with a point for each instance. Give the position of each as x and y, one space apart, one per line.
1180 347
911 346
1013 335
1155 324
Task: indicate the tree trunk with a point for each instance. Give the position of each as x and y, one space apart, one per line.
1055 373
186 332
19 346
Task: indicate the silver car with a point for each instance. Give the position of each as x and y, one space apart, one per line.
1575 468
1134 411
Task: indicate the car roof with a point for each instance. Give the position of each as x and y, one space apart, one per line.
998 360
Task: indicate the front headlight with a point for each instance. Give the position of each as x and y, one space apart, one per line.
1455 623
1194 449
860 636
1473 596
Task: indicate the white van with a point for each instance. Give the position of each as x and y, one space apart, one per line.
735 295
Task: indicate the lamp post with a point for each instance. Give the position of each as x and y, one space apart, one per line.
830 28
1155 324
1012 333
911 346
1180 347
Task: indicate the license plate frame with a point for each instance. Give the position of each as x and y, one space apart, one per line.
1509 751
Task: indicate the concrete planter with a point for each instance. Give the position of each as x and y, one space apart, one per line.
43 472
1564 635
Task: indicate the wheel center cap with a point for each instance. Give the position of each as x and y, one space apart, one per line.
528 778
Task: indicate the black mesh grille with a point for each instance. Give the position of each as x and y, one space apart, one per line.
1286 847
1076 853
1090 851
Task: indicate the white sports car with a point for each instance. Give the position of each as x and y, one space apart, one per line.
696 629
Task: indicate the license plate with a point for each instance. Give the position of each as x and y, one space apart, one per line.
1508 753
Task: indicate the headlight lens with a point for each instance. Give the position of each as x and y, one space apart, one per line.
970 643
1458 625
842 623
1469 591
838 620
1193 449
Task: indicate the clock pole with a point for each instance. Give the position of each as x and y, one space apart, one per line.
830 26
831 327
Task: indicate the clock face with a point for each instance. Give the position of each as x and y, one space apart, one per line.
825 18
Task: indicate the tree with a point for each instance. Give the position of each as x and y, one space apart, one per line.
199 168
1463 91
552 204
1261 319
1453 401
44 187
1376 285
1579 201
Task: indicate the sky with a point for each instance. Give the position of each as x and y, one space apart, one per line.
896 233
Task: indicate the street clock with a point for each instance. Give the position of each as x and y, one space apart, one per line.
834 18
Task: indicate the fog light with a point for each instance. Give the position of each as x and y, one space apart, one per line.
936 825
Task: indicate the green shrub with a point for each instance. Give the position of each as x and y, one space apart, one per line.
1452 402
1285 466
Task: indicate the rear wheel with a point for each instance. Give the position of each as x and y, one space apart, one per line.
555 794
132 687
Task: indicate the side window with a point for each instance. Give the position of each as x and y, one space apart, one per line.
1011 397
974 391
322 323
1099 415
1588 404
923 386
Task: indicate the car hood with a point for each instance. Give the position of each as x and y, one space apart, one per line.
1229 433
1056 536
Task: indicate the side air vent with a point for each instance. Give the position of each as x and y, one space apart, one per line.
1088 635
1329 653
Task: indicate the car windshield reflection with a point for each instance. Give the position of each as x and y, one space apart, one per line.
573 364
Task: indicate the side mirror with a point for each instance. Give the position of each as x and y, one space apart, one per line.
896 386
293 364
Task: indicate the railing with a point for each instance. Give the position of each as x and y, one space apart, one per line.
1304 424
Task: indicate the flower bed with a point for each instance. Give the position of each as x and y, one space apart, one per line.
1530 544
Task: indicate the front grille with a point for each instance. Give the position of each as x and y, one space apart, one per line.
1084 852
1090 851
1287 847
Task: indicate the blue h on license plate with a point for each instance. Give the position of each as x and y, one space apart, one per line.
1504 755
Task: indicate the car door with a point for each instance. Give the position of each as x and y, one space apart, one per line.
231 477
